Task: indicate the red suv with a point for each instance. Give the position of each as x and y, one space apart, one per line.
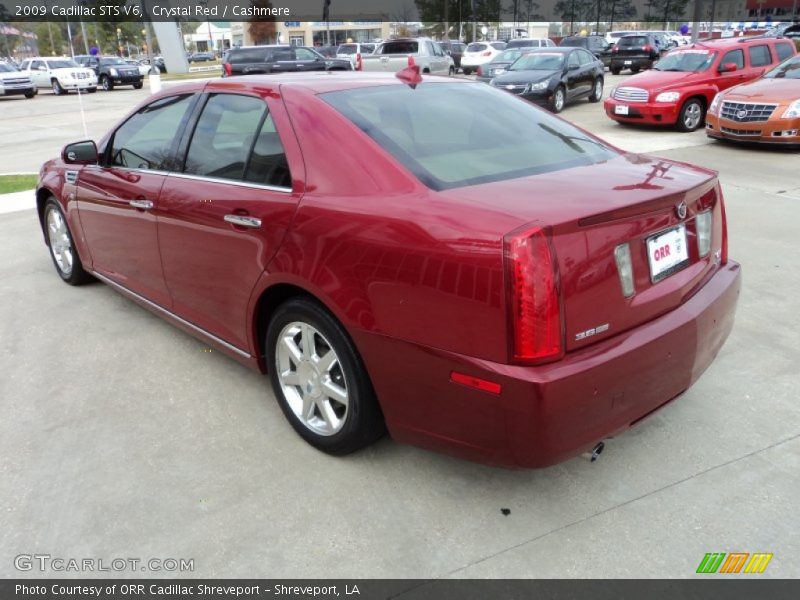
680 87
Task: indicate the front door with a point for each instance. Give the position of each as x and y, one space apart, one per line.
223 218
117 199
308 60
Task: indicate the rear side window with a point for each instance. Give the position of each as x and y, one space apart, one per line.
451 135
400 47
734 56
784 51
224 135
147 139
248 55
759 56
236 139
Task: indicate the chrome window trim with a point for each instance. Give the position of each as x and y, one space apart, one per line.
129 169
247 184
171 314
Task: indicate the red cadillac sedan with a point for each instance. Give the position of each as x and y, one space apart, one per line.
443 260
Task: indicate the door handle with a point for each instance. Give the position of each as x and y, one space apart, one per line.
141 204
243 221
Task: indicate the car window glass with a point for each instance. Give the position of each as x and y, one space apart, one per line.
759 56
400 47
145 141
572 60
224 135
246 55
584 57
734 56
476 47
282 54
36 64
304 54
784 51
267 162
24 64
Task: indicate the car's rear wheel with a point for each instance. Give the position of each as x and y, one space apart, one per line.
635 69
558 100
92 90
57 89
597 91
319 379
615 70
452 71
138 86
106 83
466 71
62 249
691 115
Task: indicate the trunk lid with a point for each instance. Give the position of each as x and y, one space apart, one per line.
590 211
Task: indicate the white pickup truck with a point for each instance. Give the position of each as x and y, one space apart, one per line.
394 55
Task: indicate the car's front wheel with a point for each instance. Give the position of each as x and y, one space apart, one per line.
691 115
30 94
62 248
319 379
106 83
57 89
466 71
558 100
138 86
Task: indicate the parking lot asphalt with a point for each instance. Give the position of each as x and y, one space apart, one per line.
121 436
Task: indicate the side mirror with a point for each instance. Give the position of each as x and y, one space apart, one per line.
80 153
41 68
728 68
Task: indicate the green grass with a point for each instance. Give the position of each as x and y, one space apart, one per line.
17 183
200 75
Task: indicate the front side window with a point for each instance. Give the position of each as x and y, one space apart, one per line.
451 135
759 56
734 56
36 65
572 60
147 140
584 57
304 54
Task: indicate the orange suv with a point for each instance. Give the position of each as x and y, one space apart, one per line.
766 110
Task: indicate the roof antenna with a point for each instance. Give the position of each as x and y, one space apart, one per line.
410 76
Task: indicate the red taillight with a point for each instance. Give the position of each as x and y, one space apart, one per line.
359 62
533 295
487 53
411 61
647 48
228 69
479 72
614 50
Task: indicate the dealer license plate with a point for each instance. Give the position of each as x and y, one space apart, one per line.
628 62
620 109
667 253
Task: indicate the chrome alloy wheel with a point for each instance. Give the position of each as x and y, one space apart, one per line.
312 379
60 242
558 100
692 116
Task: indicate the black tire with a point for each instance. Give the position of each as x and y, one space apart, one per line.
30 95
557 105
106 83
138 86
635 69
452 71
92 90
76 275
467 71
692 115
597 90
363 421
615 70
57 89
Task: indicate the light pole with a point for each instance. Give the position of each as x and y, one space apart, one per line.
119 42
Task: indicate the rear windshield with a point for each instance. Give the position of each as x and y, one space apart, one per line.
476 47
404 47
248 55
522 44
347 49
686 60
578 42
451 135
632 40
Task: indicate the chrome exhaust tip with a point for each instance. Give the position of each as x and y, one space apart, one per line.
594 453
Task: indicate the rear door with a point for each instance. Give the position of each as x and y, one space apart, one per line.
760 58
118 199
223 217
249 61
308 60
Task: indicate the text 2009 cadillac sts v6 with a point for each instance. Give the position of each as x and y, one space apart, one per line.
442 260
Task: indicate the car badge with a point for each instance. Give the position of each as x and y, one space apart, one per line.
680 210
741 114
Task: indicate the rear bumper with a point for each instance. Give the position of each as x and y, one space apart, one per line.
651 113
546 414
780 132
627 62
